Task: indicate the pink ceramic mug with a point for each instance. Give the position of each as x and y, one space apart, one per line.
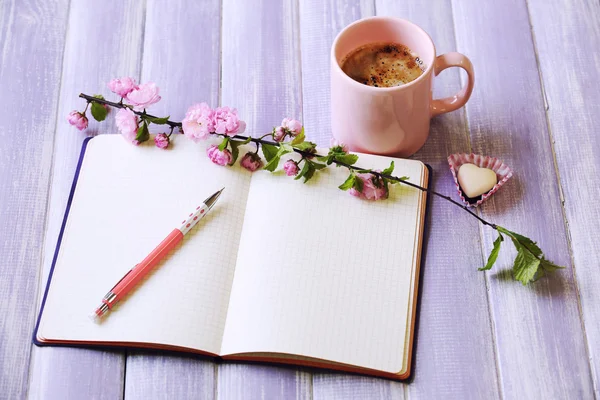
391 120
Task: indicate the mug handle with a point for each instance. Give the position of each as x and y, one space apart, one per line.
447 104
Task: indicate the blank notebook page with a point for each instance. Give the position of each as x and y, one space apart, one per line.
323 274
128 199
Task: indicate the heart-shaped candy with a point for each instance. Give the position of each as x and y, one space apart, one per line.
475 181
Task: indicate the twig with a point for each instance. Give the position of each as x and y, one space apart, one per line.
306 154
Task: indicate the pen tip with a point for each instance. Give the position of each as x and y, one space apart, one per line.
94 317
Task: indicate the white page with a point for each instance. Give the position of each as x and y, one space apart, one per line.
128 199
323 274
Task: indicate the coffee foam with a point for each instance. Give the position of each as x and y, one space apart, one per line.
383 65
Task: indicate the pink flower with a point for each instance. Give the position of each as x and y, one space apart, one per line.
122 86
143 96
127 123
373 188
279 134
198 122
219 157
334 143
291 168
78 120
161 141
295 127
251 161
226 121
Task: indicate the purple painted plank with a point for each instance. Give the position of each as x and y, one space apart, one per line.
156 376
455 353
181 54
539 338
102 42
320 22
568 39
260 62
182 57
447 362
31 48
261 77
249 381
349 387
60 373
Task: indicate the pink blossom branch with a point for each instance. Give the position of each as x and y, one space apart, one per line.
201 121
306 154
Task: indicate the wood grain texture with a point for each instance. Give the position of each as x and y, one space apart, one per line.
354 387
260 67
159 376
455 348
182 56
260 63
567 36
539 338
31 48
479 335
103 41
250 382
320 22
60 373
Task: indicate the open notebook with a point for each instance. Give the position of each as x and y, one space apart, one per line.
279 271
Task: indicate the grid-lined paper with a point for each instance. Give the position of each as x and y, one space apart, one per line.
325 275
128 199
276 267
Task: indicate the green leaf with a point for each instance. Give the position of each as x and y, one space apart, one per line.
358 184
303 171
272 164
546 267
269 151
224 143
311 171
347 158
99 112
323 158
348 183
142 133
156 120
530 263
394 181
285 148
317 165
550 266
389 170
525 266
386 185
299 138
235 152
494 254
305 146
520 240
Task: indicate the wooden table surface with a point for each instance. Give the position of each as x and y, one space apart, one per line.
480 335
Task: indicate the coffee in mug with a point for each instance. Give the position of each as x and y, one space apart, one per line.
394 117
383 65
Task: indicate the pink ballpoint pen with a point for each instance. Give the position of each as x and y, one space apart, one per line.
138 272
